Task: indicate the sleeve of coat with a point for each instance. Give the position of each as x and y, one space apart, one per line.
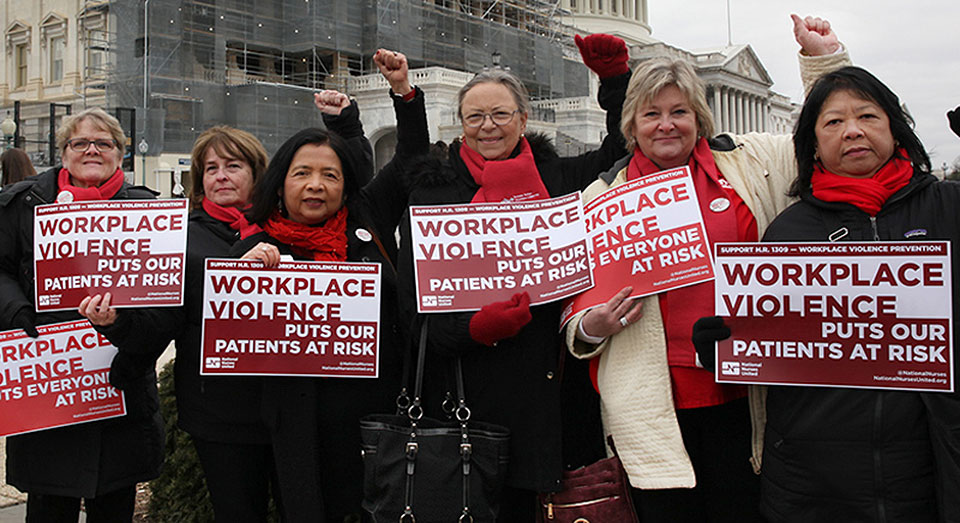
145 331
389 190
582 170
347 124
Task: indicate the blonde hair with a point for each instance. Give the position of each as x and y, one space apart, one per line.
228 142
653 76
100 119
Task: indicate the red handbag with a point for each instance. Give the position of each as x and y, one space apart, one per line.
597 493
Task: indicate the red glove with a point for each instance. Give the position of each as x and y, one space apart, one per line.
500 320
604 54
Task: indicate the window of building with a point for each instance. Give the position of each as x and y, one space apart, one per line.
21 65
57 47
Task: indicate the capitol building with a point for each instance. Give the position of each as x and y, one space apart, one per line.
171 68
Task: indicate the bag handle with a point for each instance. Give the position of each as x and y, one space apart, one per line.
415 413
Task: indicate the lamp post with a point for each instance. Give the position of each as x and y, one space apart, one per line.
9 129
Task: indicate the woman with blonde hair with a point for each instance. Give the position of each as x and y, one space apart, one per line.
684 440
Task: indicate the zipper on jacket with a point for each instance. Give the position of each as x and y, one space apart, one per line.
877 458
873 224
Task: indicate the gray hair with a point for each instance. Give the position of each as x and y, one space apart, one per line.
497 76
651 77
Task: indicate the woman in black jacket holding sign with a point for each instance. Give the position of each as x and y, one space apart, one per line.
859 454
100 461
311 207
512 353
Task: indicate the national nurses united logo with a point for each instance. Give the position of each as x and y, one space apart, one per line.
213 363
730 368
429 301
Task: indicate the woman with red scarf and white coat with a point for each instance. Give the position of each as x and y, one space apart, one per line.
684 440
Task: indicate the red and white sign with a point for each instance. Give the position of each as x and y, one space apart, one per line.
863 315
469 255
58 379
132 248
647 233
299 319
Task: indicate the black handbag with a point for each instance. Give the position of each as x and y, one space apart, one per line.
423 470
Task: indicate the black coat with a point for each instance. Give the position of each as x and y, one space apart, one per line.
314 423
835 454
83 460
516 384
215 408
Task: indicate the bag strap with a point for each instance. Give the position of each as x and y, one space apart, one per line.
415 413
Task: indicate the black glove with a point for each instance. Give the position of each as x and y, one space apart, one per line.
26 319
706 332
128 368
954 117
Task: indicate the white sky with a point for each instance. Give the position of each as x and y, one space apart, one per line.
912 46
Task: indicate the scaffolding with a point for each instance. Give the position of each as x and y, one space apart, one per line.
255 64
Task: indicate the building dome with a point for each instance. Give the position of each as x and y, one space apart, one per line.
628 19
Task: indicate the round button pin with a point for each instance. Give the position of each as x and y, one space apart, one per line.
719 205
65 197
364 235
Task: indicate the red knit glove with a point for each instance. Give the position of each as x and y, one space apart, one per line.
500 320
604 54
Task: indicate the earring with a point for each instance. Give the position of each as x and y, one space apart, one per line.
816 156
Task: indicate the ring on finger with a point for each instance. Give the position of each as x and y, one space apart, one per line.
623 321
264 248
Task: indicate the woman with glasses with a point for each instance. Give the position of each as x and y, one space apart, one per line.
101 461
511 352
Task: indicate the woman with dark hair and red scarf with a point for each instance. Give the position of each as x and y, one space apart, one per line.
101 461
686 442
840 454
311 206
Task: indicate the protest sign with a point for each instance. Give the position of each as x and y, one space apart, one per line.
132 248
58 379
864 315
469 255
647 233
298 319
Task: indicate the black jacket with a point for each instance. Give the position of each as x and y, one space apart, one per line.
518 383
314 423
834 454
214 408
91 458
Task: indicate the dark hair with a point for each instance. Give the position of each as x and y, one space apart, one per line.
868 87
266 191
16 166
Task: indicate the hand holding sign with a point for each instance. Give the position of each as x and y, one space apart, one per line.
500 320
706 333
268 253
97 309
613 316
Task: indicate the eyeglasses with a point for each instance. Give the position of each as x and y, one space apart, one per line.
498 118
81 145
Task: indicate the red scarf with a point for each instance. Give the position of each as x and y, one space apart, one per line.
514 179
680 308
868 194
105 191
325 242
232 217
